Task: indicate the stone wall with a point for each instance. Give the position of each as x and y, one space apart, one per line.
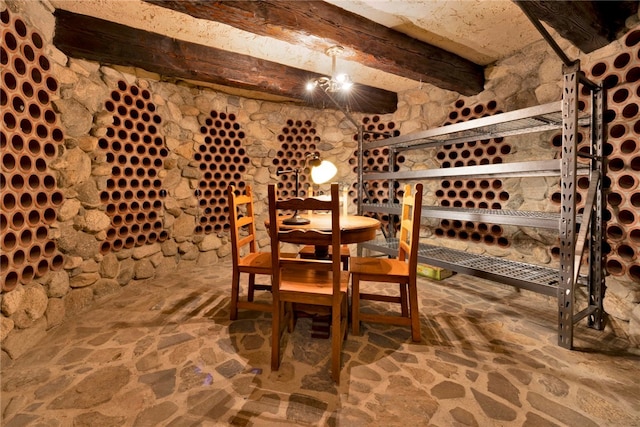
141 171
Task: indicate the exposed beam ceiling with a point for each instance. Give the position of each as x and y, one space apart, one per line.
95 39
589 25
318 25
268 49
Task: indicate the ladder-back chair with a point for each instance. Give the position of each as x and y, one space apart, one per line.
401 270
307 281
245 254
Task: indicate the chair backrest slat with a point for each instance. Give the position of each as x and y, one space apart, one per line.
304 235
410 226
241 216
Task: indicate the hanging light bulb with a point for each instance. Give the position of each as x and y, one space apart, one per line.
335 83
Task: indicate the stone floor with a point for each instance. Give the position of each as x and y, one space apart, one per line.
164 353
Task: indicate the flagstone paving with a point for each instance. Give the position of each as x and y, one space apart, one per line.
163 352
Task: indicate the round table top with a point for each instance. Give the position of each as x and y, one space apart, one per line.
355 228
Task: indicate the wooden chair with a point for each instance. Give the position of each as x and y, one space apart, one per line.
244 249
307 281
401 270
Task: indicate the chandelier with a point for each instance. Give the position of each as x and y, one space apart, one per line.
337 82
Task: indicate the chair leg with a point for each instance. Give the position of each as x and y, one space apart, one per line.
404 306
355 304
251 287
413 310
336 341
276 334
235 290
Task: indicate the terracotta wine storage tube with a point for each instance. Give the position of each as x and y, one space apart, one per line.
49 248
27 274
42 233
626 252
634 272
9 241
57 262
627 217
627 182
615 199
34 254
17 221
615 232
41 267
49 216
615 266
503 242
4 222
18 258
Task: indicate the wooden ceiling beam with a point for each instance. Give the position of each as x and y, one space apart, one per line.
94 39
318 25
589 25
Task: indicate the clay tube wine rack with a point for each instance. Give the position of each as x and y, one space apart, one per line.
621 77
29 139
297 140
222 161
472 193
136 151
376 160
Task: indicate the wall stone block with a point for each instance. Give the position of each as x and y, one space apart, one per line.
77 120
210 242
141 252
77 300
169 248
83 279
74 242
6 326
88 194
12 301
57 284
55 312
127 271
143 269
104 287
183 227
95 221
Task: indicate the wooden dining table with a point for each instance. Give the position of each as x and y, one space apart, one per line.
353 229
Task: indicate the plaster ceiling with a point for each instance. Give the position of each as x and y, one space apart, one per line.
479 30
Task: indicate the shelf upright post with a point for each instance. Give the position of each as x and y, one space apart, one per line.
393 155
566 284
596 284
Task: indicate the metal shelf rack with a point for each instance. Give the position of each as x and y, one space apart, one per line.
580 235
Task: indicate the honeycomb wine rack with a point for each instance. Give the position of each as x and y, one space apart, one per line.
29 139
472 193
620 75
222 161
376 160
297 139
136 151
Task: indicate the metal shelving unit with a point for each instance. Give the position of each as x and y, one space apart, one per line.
580 235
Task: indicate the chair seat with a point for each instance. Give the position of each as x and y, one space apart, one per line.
387 269
259 262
